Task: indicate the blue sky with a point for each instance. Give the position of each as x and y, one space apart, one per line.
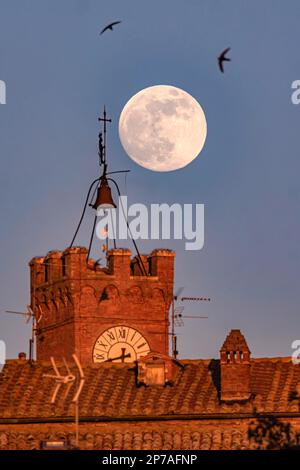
59 73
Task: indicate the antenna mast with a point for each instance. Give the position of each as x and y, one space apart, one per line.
177 317
29 314
68 380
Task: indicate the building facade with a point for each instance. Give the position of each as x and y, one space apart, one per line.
135 395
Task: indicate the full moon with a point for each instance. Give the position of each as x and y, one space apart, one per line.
162 128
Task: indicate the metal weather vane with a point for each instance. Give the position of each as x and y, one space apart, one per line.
103 200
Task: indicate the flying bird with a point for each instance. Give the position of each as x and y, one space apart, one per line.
110 26
222 58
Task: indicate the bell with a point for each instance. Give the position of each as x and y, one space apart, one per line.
104 198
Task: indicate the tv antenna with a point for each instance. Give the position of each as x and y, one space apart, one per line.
177 319
30 315
68 379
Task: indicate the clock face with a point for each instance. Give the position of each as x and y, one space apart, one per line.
120 344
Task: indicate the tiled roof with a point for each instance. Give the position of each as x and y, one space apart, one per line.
229 439
111 391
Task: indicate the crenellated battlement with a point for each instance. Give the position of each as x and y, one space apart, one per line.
71 264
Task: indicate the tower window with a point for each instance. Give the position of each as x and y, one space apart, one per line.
150 266
46 265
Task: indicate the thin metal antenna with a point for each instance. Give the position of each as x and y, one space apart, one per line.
77 395
173 336
29 314
195 299
174 350
68 380
177 317
59 379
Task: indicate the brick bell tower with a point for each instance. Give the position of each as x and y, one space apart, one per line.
117 313
101 314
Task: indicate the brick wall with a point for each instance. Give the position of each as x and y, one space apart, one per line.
209 434
78 300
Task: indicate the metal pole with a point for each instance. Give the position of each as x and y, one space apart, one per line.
175 346
31 341
77 423
91 240
173 329
140 261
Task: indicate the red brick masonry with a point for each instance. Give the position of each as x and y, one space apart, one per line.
118 413
153 403
78 301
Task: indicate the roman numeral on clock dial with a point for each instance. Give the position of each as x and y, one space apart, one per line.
120 343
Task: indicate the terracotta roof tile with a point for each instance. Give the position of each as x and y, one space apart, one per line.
110 391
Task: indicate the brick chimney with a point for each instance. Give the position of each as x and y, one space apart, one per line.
235 368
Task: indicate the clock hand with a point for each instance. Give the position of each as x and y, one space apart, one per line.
122 356
118 357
